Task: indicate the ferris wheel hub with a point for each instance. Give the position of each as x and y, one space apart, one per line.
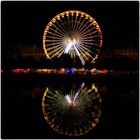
72 38
72 41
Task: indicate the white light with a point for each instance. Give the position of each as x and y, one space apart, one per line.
68 47
83 62
68 99
70 44
77 93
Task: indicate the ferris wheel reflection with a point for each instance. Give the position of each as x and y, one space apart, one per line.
73 112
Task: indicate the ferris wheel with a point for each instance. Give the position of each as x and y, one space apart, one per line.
75 33
73 113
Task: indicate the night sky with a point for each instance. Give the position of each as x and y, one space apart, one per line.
24 22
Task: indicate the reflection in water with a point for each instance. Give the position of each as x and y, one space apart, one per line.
22 107
72 112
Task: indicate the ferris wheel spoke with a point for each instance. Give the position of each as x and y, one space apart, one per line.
87 117
87 31
81 121
72 22
58 52
75 21
85 51
58 26
52 48
87 28
54 51
84 120
88 37
83 62
88 43
55 121
67 20
91 48
57 49
64 24
68 24
52 44
58 94
52 40
86 48
56 32
61 26
93 36
84 26
90 40
81 24
59 29
61 53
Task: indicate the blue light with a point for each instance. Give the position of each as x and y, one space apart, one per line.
70 71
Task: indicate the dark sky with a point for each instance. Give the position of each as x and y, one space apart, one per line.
24 22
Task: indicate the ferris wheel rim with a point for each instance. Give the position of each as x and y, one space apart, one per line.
55 18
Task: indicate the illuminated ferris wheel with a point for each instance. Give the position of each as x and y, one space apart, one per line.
75 33
73 113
